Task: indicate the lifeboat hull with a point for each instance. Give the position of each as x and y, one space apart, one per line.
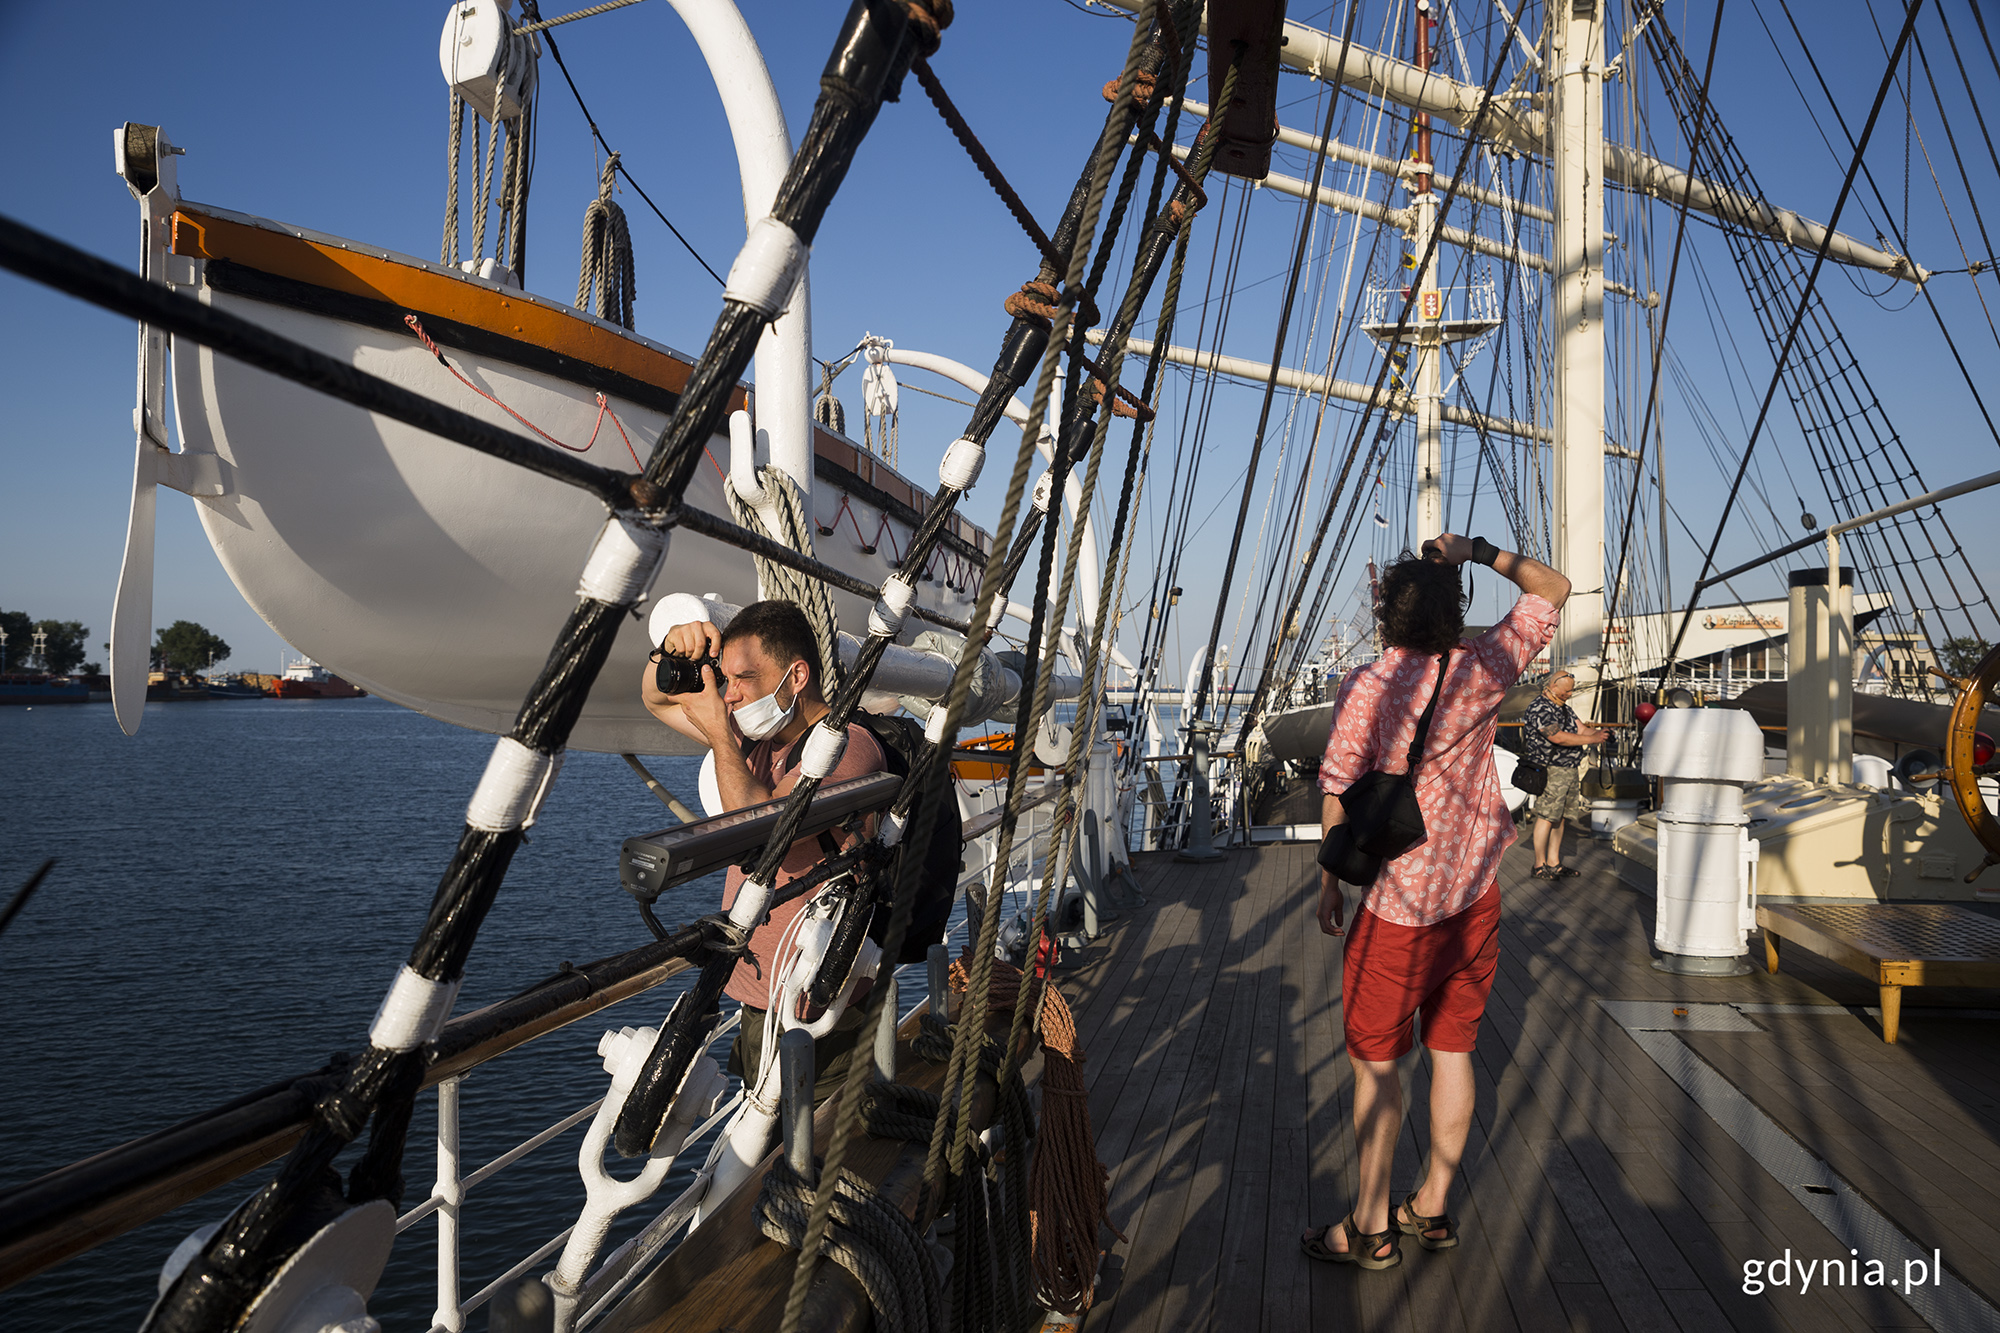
427 573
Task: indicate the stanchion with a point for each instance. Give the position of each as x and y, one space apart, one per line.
795 1091
1201 819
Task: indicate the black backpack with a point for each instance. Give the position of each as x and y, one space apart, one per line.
902 741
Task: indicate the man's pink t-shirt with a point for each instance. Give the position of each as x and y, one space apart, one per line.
862 757
1465 817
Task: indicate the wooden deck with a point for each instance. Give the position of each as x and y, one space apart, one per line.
1596 1193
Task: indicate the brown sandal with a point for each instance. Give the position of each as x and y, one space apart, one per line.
1421 1226
1361 1249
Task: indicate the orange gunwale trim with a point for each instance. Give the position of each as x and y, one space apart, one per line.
412 285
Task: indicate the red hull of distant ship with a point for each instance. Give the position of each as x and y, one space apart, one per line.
331 688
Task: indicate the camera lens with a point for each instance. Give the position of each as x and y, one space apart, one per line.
679 675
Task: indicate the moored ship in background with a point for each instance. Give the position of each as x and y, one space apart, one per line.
307 679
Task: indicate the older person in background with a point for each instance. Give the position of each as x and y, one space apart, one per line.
1426 937
1552 736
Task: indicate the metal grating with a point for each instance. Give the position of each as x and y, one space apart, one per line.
1934 933
1665 1016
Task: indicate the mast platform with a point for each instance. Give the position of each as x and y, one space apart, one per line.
1599 1191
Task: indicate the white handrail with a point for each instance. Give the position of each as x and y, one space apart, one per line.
623 1263
763 156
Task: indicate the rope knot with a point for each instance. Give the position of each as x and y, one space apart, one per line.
1142 88
1035 302
723 938
926 25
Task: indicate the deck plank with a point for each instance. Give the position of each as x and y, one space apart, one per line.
1148 1185
1595 1193
1776 1215
1286 1302
1191 1198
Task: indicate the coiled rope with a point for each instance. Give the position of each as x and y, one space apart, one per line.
606 278
992 1229
868 1236
776 580
1069 1189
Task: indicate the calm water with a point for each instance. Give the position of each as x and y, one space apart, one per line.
236 886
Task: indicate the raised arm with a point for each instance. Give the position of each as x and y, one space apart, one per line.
695 639
1525 572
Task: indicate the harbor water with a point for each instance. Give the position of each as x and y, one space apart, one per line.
235 887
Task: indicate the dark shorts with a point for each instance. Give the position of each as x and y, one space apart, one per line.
1391 973
831 1053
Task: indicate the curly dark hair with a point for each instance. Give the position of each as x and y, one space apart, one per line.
1420 605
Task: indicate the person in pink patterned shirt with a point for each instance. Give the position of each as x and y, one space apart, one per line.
1426 936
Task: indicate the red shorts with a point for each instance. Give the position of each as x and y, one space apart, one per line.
1444 971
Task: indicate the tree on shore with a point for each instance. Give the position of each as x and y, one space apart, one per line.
20 632
62 652
187 648
1961 656
65 648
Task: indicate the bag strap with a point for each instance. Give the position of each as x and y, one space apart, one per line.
1424 723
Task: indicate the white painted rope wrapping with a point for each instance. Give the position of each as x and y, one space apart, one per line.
934 725
767 268
885 619
623 562
961 464
511 791
891 830
753 900
1045 487
413 1012
823 748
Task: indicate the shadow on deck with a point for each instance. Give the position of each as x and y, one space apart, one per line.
1596 1193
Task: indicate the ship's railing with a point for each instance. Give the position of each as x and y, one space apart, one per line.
449 1191
1477 303
78 1207
1164 803
619 1268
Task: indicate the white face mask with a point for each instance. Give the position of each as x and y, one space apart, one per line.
760 717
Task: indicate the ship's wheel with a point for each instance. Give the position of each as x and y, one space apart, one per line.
1969 755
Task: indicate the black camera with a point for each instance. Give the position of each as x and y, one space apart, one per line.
682 675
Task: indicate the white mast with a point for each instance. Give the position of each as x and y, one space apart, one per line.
1425 328
1576 157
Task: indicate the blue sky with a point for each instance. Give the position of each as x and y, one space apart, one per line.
335 120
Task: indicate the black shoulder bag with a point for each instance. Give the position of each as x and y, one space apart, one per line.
1383 818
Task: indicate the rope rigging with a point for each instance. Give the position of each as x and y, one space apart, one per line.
1376 398
555 50
217 1286
1823 418
605 277
784 507
1701 120
669 1055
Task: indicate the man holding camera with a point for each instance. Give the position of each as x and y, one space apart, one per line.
760 694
